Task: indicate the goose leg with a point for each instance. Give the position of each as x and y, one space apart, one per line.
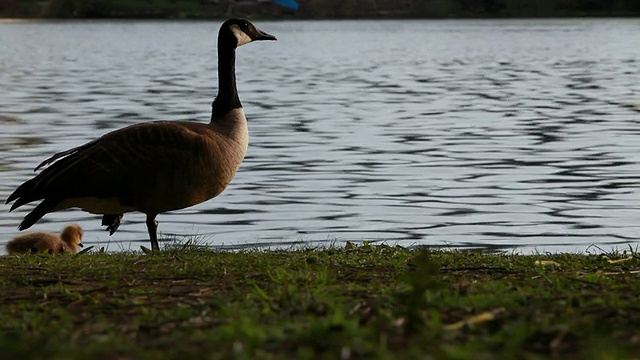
152 227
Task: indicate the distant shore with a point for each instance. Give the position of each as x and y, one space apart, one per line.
316 9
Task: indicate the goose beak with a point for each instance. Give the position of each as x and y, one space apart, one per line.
264 36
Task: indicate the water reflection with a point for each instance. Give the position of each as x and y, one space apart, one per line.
494 134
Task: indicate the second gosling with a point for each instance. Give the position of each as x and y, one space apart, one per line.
38 242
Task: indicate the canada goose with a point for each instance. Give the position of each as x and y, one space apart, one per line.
151 167
35 242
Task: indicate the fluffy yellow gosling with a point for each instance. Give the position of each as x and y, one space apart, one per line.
38 242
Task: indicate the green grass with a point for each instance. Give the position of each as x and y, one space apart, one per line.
358 302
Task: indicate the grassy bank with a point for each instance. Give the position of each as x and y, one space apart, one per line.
363 302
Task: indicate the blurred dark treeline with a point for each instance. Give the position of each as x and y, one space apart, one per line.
317 9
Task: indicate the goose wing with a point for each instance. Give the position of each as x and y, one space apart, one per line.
110 165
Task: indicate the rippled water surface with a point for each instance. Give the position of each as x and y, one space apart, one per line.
492 133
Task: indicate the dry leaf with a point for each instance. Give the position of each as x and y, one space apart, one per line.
546 263
475 320
619 260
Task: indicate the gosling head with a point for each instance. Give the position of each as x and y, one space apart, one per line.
242 31
72 236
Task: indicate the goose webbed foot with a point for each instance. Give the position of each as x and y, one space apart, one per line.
112 222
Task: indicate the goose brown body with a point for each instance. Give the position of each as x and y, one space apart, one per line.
36 242
151 167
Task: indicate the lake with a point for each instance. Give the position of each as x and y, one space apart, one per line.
494 134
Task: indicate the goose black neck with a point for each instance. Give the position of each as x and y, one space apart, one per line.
227 98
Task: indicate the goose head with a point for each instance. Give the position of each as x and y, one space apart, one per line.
241 31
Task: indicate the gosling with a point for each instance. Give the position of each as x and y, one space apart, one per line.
44 242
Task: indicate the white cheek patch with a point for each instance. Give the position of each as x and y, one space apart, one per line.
242 37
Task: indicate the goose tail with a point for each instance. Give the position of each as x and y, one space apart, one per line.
20 195
26 192
37 213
